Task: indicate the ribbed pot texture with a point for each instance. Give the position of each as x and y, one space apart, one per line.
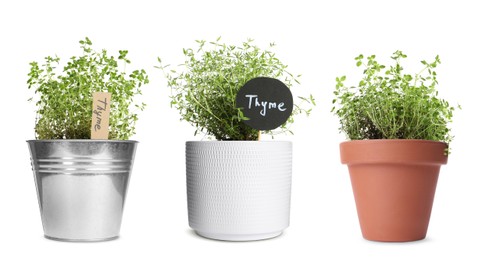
394 183
238 190
81 186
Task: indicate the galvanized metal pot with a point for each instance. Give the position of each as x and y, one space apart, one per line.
81 186
239 190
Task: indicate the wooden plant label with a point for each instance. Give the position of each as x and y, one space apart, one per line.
267 102
101 115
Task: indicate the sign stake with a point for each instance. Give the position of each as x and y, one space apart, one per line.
101 115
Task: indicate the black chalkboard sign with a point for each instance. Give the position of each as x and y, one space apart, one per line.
267 102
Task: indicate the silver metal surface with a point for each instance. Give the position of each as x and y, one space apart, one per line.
81 186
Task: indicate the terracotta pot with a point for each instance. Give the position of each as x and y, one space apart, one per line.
394 184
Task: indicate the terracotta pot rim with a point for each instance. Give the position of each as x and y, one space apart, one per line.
393 141
394 151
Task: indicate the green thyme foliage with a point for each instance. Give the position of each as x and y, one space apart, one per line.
65 96
205 91
390 104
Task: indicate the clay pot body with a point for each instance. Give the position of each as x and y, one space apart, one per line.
394 184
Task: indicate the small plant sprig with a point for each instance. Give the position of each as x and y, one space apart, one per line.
390 104
205 91
64 107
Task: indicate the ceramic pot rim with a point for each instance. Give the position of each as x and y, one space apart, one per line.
240 141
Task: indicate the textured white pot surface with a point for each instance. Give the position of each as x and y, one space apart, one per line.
239 190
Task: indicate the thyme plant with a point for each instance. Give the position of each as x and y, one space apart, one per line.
388 103
205 90
64 103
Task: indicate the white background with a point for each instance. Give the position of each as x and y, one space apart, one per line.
318 40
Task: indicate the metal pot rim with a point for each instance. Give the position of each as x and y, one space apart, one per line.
79 141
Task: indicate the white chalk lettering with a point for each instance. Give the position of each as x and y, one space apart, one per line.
280 107
265 105
250 100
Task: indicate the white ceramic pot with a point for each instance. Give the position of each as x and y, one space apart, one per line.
239 190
